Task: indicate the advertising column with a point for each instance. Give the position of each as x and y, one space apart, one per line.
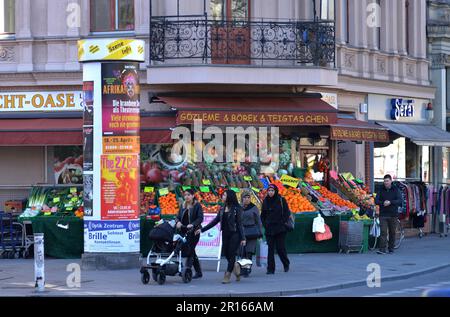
111 151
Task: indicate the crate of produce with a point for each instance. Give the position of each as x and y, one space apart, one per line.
351 236
168 202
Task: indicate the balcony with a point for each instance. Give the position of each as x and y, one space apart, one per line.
238 52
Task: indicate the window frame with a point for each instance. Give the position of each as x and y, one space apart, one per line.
6 35
114 23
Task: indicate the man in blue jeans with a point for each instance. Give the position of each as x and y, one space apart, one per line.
389 199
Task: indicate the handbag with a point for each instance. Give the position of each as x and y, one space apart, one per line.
252 232
375 230
290 223
327 235
261 253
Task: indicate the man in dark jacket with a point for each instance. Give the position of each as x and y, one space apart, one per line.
389 200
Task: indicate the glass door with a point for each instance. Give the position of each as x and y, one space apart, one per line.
230 34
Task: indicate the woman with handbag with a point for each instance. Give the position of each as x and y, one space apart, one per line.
252 224
230 218
189 219
275 217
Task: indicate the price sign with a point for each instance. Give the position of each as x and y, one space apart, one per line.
290 181
235 189
149 189
186 187
256 190
204 189
248 178
73 190
163 191
206 182
56 200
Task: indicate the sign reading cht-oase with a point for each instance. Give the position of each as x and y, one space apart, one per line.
402 108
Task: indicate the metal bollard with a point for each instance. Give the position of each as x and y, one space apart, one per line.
39 268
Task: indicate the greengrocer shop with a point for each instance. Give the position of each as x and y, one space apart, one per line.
49 144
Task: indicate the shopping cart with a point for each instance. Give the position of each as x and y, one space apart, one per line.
15 238
351 236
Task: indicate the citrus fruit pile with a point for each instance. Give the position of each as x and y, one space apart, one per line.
168 204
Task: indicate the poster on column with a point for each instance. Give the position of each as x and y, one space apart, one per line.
111 236
119 187
88 194
88 148
88 103
120 107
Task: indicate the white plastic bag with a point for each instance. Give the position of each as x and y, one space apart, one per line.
318 225
261 256
375 230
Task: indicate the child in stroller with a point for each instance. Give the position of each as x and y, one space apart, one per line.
167 252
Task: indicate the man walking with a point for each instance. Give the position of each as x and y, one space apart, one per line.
389 199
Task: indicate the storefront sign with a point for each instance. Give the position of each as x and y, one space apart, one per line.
289 181
256 118
402 108
210 244
42 101
356 134
120 187
112 236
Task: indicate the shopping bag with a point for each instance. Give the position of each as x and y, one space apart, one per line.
262 253
375 230
318 224
327 235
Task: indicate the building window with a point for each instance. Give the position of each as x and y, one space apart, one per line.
112 15
7 19
378 33
407 25
327 9
347 21
230 9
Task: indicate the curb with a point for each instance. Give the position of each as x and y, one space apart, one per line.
323 289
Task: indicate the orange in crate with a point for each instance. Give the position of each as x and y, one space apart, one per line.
168 204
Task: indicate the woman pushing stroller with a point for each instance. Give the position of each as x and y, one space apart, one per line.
189 219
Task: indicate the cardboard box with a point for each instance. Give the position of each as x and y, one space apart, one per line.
15 206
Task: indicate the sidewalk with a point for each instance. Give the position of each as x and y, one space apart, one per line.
310 273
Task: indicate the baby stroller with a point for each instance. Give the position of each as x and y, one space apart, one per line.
165 257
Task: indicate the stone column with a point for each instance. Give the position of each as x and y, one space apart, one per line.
401 27
23 36
341 22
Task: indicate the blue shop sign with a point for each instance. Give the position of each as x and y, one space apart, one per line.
402 108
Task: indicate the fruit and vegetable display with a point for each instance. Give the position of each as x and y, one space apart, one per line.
168 204
355 191
147 201
51 201
335 198
208 201
296 201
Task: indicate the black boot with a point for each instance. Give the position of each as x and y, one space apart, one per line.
197 268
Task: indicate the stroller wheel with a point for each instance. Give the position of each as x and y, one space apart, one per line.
187 275
145 277
161 279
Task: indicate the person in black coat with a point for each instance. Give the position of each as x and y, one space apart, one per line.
189 219
230 218
275 213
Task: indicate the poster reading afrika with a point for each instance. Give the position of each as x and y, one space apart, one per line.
119 187
120 108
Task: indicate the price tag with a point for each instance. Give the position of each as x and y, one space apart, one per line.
74 199
204 189
56 200
256 190
235 189
186 187
47 213
149 189
73 190
304 184
69 208
248 178
290 181
316 187
206 182
163 191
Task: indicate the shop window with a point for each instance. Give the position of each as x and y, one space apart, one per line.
425 162
112 15
390 160
7 16
412 160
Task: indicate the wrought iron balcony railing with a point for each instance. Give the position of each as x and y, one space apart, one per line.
263 43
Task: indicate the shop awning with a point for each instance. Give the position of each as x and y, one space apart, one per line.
356 130
68 131
421 134
60 131
280 111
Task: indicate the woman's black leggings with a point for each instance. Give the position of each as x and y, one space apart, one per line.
230 246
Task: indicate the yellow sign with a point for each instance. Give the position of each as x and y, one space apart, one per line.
148 189
111 49
43 101
290 181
